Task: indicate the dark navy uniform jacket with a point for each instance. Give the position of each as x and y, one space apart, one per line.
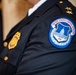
43 43
1 35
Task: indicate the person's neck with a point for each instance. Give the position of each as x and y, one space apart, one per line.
17 9
32 2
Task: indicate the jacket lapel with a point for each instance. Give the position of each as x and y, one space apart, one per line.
40 11
20 25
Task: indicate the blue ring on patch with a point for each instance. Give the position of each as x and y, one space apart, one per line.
61 32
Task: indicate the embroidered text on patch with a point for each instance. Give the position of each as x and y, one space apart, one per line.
61 32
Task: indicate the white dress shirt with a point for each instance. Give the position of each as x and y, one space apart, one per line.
35 7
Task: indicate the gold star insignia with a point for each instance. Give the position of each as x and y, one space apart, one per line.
69 12
68 8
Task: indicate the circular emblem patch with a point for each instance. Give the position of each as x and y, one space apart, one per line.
61 32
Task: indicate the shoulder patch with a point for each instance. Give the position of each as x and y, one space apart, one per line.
61 32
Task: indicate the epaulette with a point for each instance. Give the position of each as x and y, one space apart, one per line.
63 27
67 8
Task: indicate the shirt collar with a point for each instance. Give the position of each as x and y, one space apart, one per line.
36 6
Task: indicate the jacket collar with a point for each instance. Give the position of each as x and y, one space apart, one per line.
40 11
36 6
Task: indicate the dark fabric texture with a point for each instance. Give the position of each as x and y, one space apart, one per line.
34 54
1 33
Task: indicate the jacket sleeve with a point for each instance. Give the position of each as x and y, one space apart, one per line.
41 58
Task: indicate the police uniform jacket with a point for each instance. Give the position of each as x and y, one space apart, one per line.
43 43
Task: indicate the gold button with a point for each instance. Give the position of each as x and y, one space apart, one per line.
6 58
61 2
5 44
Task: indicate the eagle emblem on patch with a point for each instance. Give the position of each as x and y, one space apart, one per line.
61 32
13 43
